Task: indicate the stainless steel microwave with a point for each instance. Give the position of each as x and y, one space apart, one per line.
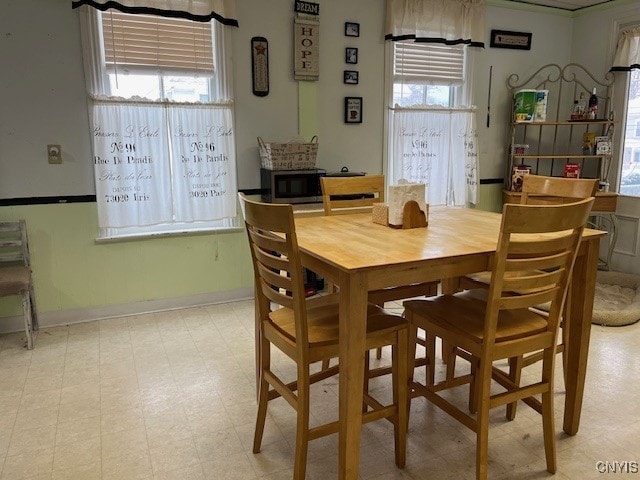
291 186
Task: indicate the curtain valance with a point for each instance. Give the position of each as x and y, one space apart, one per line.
443 21
628 51
224 11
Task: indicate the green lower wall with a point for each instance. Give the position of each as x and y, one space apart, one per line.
491 197
72 271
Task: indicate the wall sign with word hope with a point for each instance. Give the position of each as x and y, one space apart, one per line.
306 41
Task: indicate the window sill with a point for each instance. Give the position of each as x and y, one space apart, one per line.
177 233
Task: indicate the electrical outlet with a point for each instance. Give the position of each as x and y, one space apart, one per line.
54 153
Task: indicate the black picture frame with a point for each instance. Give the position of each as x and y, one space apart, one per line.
352 110
509 39
351 77
351 29
351 55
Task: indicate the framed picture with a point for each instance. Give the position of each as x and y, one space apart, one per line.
507 39
351 29
351 55
351 77
352 109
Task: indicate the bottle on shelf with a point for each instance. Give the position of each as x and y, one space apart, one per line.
575 111
582 106
593 105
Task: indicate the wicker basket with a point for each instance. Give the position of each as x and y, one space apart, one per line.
288 156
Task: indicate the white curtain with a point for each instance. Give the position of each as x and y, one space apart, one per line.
627 54
223 11
160 166
204 176
133 184
445 21
437 148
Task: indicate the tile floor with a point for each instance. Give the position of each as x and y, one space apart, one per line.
171 396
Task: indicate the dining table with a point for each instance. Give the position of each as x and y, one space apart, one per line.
358 256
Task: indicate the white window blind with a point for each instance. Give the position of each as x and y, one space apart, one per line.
158 43
428 63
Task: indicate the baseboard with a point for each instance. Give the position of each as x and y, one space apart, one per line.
67 317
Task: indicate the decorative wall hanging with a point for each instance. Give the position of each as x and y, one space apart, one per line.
351 55
352 109
352 29
260 66
306 41
506 39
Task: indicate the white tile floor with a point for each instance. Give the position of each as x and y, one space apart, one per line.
171 396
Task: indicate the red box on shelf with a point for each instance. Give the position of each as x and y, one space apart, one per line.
571 170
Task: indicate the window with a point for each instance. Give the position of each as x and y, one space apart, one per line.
161 124
427 73
432 137
157 58
630 168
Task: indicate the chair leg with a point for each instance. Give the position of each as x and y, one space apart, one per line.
430 345
412 348
548 420
26 313
365 387
263 396
515 374
400 372
35 324
565 334
379 353
548 428
449 357
325 363
473 387
302 425
482 419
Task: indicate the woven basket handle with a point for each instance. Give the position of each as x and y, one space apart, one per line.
314 139
261 144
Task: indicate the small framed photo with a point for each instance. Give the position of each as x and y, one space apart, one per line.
351 55
351 77
352 109
351 29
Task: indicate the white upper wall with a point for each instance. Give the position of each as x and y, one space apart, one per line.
42 90
42 101
550 43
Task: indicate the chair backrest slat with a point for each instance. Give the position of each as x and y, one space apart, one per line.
540 261
369 189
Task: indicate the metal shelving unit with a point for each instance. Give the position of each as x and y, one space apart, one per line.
558 140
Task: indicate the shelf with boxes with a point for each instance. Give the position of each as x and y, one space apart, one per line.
562 124
553 131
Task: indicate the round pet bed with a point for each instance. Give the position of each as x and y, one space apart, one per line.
617 299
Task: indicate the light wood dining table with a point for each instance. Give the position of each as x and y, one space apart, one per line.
358 255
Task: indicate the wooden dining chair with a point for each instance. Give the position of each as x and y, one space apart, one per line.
351 194
536 190
542 190
533 238
15 273
342 195
306 330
